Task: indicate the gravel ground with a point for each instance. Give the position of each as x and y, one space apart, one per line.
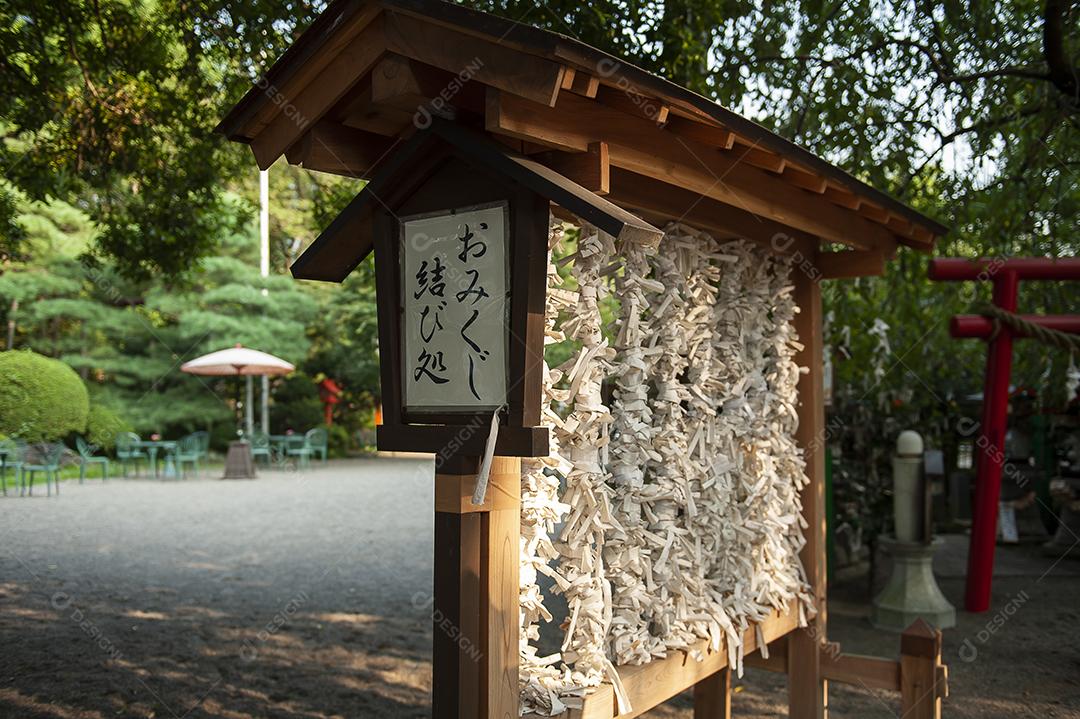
307 596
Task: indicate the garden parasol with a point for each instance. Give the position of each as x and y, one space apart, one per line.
239 361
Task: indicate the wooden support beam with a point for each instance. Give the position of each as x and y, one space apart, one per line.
922 234
582 83
842 197
807 688
569 74
899 225
648 685
712 696
341 150
475 649
456 643
644 193
299 114
590 169
634 103
713 135
394 81
359 111
490 63
453 492
640 146
875 213
851 263
415 87
759 157
923 679
500 561
805 179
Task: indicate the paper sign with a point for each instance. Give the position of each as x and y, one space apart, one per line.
455 323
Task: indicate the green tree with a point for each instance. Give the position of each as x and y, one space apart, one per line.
112 104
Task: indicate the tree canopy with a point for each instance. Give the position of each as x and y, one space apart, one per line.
110 106
126 226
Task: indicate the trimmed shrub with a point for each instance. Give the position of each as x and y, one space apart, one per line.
41 399
102 426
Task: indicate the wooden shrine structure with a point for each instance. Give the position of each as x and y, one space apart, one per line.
457 116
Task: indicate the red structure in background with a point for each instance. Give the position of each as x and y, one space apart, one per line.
1005 276
330 394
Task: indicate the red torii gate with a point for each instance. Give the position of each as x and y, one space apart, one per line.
1005 276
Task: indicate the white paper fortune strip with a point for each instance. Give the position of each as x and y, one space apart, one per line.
690 526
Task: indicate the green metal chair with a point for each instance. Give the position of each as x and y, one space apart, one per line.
13 453
204 443
189 451
319 440
127 450
302 451
42 458
87 457
260 446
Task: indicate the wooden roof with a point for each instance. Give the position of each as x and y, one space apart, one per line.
368 73
347 241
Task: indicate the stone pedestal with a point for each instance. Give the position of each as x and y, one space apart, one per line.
1064 541
238 462
912 591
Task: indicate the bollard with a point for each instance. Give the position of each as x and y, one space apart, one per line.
911 592
909 490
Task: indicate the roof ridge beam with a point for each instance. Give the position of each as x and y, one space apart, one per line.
527 76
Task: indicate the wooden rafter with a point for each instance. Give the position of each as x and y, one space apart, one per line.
634 104
660 199
297 114
341 150
847 264
640 146
337 37
590 169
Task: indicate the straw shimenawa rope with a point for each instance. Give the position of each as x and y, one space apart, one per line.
1018 324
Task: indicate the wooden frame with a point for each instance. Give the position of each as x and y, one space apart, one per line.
393 90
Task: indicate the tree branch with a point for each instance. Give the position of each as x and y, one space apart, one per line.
1063 74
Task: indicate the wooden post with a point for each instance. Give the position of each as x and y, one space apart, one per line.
475 647
712 696
499 568
922 677
456 640
807 689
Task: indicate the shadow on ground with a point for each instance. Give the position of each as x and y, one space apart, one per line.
291 596
307 595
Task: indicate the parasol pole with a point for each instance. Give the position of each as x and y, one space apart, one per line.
264 270
249 408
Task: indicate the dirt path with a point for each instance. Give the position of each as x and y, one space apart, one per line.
307 596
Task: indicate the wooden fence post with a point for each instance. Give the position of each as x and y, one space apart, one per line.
923 678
